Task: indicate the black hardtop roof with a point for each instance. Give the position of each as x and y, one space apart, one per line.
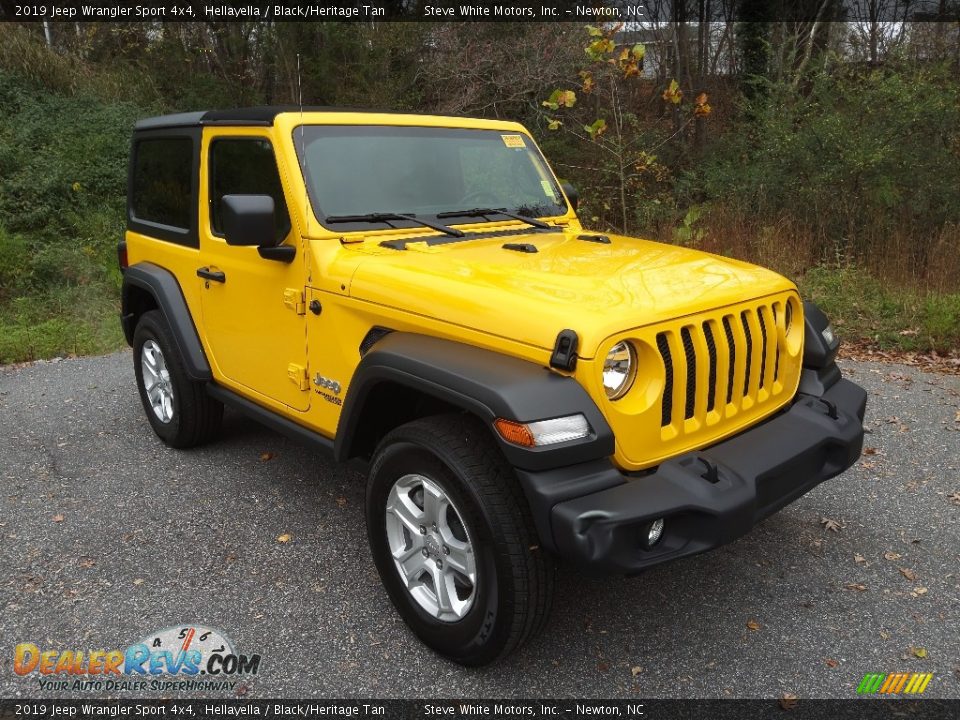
264 115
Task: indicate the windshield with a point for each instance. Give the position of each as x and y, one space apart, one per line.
353 170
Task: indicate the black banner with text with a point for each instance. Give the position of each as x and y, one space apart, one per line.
626 11
784 709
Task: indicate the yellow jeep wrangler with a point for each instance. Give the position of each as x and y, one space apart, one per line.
416 294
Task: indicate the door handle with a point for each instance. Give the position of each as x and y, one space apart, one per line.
207 274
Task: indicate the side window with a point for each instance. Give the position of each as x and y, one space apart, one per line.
245 167
161 187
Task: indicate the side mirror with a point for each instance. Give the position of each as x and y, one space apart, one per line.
249 220
572 195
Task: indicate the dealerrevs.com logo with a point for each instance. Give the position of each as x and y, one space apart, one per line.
186 657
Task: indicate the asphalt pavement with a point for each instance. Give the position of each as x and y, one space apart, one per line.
106 535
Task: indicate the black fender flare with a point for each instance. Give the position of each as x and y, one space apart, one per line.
817 352
820 371
485 383
165 290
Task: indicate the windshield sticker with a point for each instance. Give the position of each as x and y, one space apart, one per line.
513 141
548 189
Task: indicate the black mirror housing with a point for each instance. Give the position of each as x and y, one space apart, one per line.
572 195
249 220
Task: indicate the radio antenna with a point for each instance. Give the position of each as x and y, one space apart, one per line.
303 159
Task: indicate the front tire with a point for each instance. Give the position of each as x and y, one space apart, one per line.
452 538
178 408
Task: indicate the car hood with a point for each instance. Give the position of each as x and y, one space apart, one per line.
596 289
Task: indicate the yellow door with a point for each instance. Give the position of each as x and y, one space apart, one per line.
253 308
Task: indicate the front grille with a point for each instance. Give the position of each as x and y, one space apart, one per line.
750 345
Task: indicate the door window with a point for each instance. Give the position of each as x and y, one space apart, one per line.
245 166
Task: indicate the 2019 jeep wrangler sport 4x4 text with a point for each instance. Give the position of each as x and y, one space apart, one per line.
416 293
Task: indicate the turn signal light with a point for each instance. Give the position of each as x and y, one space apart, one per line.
514 432
543 432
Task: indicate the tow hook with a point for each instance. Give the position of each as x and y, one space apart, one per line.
711 475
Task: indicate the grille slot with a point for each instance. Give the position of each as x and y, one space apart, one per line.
691 355
776 342
749 349
712 352
731 343
666 412
763 346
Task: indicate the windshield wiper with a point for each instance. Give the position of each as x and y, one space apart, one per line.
380 217
483 212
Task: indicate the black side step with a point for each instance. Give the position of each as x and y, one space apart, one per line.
271 419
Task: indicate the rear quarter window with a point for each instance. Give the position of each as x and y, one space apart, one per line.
161 181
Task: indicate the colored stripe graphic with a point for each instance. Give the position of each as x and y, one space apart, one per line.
871 682
894 683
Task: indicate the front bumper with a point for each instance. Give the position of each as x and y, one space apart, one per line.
595 516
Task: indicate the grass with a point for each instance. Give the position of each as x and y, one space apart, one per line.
891 317
57 298
73 321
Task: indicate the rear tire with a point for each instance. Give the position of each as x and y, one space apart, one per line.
178 408
453 460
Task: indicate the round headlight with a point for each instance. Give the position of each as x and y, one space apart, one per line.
619 369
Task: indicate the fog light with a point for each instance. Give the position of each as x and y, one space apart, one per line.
654 532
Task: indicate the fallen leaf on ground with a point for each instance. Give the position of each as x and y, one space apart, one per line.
869 451
58 518
830 524
859 587
139 581
87 562
753 625
955 498
957 417
342 501
636 670
860 559
831 662
891 555
908 574
285 538
918 591
919 652
788 701
266 456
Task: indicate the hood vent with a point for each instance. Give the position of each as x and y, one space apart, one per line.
601 239
520 247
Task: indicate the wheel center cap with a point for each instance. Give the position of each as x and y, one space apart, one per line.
433 545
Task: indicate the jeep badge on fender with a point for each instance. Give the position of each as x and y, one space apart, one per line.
520 389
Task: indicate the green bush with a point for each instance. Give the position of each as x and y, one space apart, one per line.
860 158
62 186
